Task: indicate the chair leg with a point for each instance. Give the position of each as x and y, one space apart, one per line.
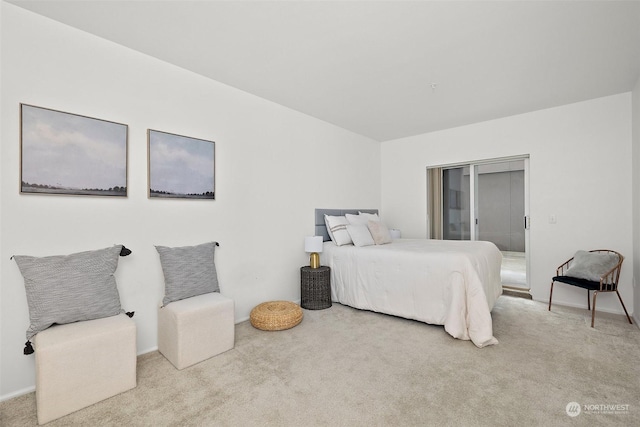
588 300
593 312
624 308
550 295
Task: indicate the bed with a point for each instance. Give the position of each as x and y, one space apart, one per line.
449 283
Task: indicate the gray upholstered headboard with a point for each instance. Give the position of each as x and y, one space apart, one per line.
321 228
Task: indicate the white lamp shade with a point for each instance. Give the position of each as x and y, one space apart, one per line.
313 244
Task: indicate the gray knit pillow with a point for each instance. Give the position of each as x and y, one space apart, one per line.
70 288
188 271
591 265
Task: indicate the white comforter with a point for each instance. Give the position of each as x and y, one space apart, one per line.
450 283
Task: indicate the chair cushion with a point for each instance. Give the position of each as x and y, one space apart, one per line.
582 283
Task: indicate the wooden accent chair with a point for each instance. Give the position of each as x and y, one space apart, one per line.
608 282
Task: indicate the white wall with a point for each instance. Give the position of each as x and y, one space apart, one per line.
636 198
1 253
273 167
580 170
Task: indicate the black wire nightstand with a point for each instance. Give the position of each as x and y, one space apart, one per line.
315 288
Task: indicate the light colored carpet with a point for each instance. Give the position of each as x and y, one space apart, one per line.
345 367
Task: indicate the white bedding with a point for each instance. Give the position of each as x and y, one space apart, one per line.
441 282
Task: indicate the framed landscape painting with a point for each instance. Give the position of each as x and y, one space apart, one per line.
180 167
69 154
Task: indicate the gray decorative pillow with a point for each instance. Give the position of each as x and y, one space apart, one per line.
70 288
591 265
188 271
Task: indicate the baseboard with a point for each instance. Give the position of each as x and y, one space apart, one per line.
149 350
17 393
584 307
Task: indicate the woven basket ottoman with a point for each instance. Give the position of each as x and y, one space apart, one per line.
276 315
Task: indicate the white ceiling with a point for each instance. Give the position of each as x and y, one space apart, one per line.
384 69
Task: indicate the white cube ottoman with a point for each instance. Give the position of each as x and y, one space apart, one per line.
197 328
79 364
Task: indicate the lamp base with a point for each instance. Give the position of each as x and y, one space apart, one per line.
314 260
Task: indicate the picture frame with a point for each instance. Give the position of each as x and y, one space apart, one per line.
69 154
180 167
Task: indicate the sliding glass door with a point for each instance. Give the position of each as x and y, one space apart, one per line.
456 219
500 208
484 200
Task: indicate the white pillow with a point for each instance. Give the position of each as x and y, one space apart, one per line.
360 235
356 219
379 232
370 217
326 223
337 228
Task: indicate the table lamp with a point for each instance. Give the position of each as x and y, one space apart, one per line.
313 244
